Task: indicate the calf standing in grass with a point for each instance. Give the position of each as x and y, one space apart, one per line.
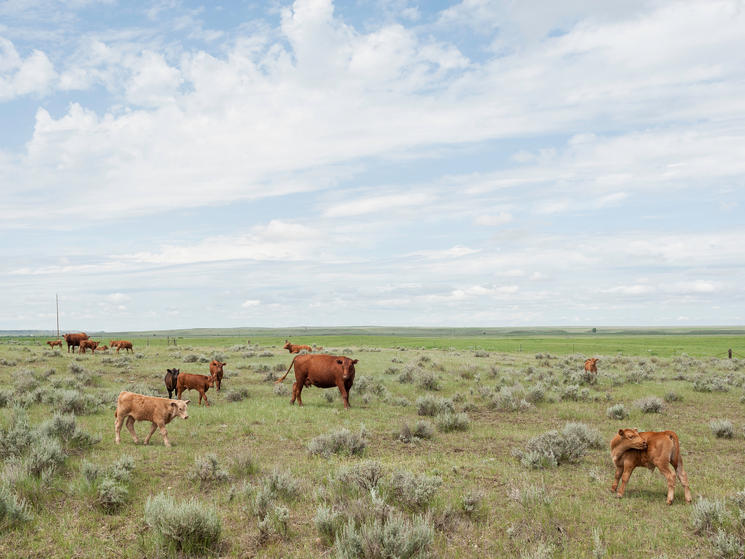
591 365
323 371
292 348
122 344
52 343
630 448
137 407
87 344
170 380
200 383
217 372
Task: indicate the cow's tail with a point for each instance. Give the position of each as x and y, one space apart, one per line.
288 370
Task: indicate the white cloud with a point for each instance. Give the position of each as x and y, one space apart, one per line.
494 220
18 76
248 303
376 204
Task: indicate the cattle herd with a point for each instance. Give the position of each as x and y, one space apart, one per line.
629 448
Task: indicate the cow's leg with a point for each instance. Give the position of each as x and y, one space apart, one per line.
624 480
131 428
299 392
664 467
164 433
150 434
619 471
683 477
180 391
294 393
117 428
203 394
344 393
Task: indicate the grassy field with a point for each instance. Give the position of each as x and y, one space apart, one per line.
456 493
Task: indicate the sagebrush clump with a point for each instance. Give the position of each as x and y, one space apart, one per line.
189 526
342 441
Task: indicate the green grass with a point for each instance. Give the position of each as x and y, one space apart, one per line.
477 461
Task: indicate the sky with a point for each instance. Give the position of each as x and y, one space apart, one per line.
178 164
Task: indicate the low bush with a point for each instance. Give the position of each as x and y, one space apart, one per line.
707 514
328 521
364 475
112 495
237 395
6 397
722 428
342 442
650 404
45 456
428 381
422 430
431 405
188 526
617 411
283 484
207 469
13 511
391 536
413 491
557 447
447 422
276 521
65 428
673 397
244 464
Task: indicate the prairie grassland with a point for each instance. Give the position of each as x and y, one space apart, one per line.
430 463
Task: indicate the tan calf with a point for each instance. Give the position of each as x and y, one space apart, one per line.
661 449
138 407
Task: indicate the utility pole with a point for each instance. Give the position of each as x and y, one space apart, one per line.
56 299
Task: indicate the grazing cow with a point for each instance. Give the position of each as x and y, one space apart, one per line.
292 348
170 380
137 407
200 383
123 344
73 340
630 448
52 343
102 348
323 371
591 365
87 344
217 372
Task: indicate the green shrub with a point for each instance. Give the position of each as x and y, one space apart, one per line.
650 404
13 511
722 428
428 381
364 475
447 422
276 521
673 397
381 538
727 546
207 469
707 514
283 484
472 503
90 471
510 399
18 437
189 526
244 464
45 456
342 441
328 521
553 447
410 490
111 495
121 470
65 428
6 397
237 395
431 405
617 411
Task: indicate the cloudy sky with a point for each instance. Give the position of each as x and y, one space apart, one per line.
180 164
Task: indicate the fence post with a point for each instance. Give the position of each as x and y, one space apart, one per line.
730 353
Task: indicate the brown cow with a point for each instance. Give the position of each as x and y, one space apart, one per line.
170 380
292 348
102 348
123 344
630 448
217 372
73 340
323 371
137 407
591 365
52 343
87 344
200 383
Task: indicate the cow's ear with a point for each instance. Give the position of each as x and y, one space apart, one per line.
187 401
174 404
620 432
355 361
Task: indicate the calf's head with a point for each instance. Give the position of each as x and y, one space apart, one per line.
178 409
287 345
174 373
633 438
347 367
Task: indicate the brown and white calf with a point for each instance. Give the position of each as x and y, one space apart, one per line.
138 407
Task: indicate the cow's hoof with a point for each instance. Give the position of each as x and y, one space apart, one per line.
619 495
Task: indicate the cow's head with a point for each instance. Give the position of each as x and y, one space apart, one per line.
218 364
178 409
347 367
174 372
632 438
287 344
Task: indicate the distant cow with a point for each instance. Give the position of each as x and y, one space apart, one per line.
52 343
137 407
292 348
170 380
323 371
217 372
123 344
88 344
200 383
73 340
102 348
591 365
630 448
